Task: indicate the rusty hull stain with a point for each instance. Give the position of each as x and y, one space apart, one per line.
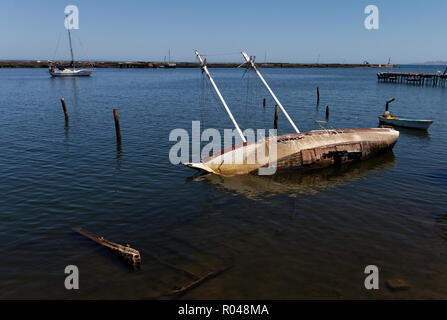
331 155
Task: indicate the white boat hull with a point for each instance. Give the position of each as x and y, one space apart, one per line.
71 73
407 123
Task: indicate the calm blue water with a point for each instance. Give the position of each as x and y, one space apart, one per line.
289 236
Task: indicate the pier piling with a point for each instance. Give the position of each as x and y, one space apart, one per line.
275 122
327 112
264 103
117 125
64 107
318 96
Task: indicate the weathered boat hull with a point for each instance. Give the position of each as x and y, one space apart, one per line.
407 123
309 150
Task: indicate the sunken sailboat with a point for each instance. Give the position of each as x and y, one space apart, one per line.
300 150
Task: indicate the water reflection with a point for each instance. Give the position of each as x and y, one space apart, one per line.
119 153
66 128
295 182
75 90
67 82
422 134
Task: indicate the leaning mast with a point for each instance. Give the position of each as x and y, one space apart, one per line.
205 69
253 65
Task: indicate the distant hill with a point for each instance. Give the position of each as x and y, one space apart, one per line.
432 63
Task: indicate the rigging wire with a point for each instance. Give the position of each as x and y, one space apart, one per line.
202 99
247 97
206 91
257 100
84 51
213 94
57 46
250 101
297 106
220 54
253 94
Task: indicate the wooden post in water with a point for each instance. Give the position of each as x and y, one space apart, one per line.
318 95
275 122
117 125
327 112
64 107
264 103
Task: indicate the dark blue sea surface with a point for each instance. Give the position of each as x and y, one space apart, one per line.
293 235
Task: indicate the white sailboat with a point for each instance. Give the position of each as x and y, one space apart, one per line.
69 71
299 150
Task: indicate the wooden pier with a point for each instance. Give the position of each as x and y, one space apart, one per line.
419 79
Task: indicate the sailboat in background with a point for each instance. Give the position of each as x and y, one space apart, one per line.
168 64
69 71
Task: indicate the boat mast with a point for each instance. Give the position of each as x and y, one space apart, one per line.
253 65
71 47
205 69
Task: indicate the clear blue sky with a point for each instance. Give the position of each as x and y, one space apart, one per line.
296 31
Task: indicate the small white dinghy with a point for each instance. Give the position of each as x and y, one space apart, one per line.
391 120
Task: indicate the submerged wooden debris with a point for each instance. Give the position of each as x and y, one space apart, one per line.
200 280
196 279
133 257
127 253
397 285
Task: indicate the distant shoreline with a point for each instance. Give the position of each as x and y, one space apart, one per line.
150 64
